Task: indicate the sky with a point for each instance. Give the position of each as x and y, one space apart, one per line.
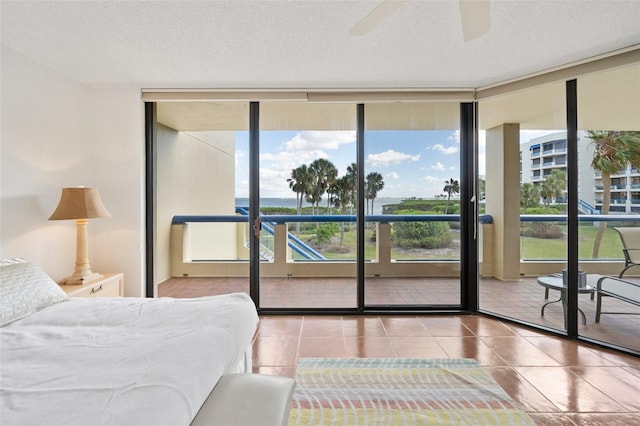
413 163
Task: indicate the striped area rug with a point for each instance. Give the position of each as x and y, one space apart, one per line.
397 391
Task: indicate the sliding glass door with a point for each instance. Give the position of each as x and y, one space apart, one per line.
307 194
201 166
412 206
323 206
609 177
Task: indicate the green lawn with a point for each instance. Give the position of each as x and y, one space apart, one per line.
540 248
531 248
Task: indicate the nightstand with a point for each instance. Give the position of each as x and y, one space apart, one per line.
110 285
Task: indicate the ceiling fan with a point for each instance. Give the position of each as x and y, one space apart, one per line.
474 16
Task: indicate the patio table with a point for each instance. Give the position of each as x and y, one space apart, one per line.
555 282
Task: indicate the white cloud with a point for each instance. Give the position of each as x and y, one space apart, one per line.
437 166
431 186
319 140
445 150
271 182
390 157
527 135
455 137
392 175
430 179
239 154
287 160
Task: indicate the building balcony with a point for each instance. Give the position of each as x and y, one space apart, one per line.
399 277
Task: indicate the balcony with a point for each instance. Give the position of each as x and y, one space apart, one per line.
394 277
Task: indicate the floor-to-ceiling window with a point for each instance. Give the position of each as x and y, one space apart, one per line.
412 204
307 168
609 180
309 249
312 207
201 167
555 191
523 165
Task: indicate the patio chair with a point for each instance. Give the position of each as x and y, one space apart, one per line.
631 247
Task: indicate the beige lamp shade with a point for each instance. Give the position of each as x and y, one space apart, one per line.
79 203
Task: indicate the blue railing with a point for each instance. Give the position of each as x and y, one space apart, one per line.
581 218
587 208
293 242
382 218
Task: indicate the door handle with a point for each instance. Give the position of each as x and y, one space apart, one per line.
256 227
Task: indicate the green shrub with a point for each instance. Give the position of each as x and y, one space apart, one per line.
325 231
542 230
427 235
545 210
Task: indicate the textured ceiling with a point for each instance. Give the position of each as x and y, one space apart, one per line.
306 44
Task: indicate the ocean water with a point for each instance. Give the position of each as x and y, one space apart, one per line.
291 202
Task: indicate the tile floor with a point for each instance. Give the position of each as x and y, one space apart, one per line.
557 381
521 299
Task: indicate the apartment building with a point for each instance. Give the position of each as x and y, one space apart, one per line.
541 155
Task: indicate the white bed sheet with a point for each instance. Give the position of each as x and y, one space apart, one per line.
124 361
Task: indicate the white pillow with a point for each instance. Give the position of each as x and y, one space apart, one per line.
24 289
11 260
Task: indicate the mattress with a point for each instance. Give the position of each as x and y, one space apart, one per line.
121 361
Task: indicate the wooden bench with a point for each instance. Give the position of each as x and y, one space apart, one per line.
618 288
247 400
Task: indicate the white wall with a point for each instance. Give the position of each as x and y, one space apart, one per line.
57 133
195 176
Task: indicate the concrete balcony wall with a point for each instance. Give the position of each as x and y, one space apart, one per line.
384 266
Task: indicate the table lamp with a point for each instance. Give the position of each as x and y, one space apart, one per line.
80 204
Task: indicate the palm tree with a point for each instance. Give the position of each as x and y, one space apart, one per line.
553 186
342 198
374 184
451 186
299 182
324 172
613 151
529 196
352 183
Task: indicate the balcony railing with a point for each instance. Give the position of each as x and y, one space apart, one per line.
282 256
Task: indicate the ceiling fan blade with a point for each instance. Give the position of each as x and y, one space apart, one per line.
377 15
475 17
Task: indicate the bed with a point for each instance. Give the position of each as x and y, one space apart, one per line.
113 361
